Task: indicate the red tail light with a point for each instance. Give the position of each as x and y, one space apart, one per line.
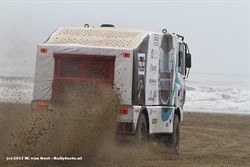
124 110
125 54
42 104
43 50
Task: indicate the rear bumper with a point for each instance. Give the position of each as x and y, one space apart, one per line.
125 132
125 128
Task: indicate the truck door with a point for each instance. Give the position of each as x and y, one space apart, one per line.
180 84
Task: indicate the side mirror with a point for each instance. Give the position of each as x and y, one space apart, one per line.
188 60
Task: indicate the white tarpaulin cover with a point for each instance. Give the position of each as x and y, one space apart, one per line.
88 41
111 37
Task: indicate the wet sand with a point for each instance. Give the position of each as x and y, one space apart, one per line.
206 140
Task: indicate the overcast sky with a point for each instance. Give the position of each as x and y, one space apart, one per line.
216 31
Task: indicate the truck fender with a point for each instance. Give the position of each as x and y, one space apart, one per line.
143 111
179 113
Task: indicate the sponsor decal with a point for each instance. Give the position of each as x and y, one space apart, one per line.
153 69
154 54
152 81
156 39
137 110
141 63
152 96
152 111
154 121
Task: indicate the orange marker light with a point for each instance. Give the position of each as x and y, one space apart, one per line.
126 54
42 104
124 110
43 50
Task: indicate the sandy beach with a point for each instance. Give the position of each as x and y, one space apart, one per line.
206 140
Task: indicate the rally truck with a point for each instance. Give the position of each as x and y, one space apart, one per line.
148 68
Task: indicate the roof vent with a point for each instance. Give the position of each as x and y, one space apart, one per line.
107 25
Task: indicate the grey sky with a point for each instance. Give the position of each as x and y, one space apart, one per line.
216 31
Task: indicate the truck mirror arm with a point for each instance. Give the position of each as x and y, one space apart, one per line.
187 74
